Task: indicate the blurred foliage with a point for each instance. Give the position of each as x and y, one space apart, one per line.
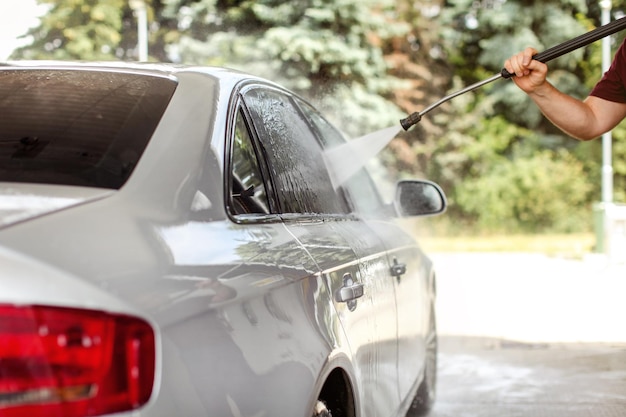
326 50
519 195
93 30
368 63
496 133
86 30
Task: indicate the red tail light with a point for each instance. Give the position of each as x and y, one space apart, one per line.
66 362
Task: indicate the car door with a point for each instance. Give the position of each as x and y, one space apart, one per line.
410 268
350 256
407 266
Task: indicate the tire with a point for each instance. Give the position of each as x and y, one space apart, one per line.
426 393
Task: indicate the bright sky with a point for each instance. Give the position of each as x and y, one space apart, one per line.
16 17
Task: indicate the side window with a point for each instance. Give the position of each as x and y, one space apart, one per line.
294 155
329 135
360 189
247 188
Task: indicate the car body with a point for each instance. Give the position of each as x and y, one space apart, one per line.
171 244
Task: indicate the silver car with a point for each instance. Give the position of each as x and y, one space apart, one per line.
172 243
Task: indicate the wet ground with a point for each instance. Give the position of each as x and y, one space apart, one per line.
482 377
524 335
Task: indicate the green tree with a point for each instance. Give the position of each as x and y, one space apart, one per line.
77 29
329 51
541 193
618 163
497 128
417 58
93 30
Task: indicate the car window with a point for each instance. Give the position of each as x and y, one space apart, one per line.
294 155
77 127
329 135
360 190
247 188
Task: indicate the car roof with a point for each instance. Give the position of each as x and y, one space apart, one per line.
148 68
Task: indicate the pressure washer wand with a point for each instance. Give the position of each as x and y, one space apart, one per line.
545 56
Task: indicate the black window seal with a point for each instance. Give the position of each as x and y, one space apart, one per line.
262 158
237 105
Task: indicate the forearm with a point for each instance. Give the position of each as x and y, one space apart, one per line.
572 116
583 120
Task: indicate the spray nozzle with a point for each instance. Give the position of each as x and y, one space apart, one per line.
411 120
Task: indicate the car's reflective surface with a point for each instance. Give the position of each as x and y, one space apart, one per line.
198 201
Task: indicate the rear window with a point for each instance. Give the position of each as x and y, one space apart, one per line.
77 127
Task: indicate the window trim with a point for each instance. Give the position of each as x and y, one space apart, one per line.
276 215
237 105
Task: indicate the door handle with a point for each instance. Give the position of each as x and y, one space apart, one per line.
349 291
397 269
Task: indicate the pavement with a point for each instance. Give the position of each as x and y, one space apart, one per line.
529 335
531 297
486 377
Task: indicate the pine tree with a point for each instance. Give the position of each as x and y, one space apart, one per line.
93 30
498 126
329 51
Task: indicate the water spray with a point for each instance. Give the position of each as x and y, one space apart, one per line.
545 56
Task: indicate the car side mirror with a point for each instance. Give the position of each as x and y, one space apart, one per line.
419 198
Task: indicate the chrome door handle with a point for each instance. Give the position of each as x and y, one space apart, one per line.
349 292
397 268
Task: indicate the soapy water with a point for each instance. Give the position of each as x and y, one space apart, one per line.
344 160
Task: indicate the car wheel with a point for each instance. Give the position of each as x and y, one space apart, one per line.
425 396
321 410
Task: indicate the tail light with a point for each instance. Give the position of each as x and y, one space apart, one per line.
66 362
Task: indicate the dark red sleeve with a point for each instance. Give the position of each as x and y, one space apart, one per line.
611 87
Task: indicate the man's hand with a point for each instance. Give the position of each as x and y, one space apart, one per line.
530 75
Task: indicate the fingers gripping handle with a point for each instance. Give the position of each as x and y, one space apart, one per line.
506 74
544 57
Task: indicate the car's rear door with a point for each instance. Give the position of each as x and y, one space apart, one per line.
350 256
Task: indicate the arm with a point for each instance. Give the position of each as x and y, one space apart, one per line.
583 120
